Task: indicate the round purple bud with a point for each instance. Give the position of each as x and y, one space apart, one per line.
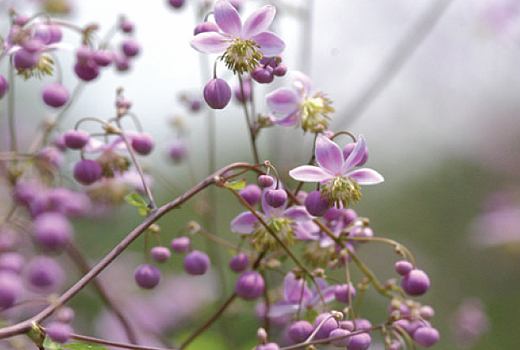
217 93
343 292
176 3
426 336
416 282
325 328
196 263
55 33
21 19
4 86
142 143
87 171
403 267
251 194
25 59
280 70
11 261
160 254
239 262
122 62
177 151
250 285
317 204
126 26
340 333
275 198
130 47
147 276
55 95
76 139
44 274
180 245
103 58
265 181
205 27
52 231
87 71
263 75
300 331
59 332
83 55
10 289
359 341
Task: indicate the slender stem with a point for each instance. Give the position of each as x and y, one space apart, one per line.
76 255
25 326
10 107
88 339
249 122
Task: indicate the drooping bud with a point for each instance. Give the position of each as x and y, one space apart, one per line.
217 93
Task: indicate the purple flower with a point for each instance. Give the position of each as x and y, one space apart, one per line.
339 183
297 296
299 106
243 44
285 223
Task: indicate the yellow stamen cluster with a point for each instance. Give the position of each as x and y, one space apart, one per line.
263 240
242 56
342 189
315 112
44 67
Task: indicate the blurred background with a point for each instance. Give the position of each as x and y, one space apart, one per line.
433 85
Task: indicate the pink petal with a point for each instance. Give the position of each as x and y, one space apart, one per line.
366 176
301 81
298 213
288 120
210 42
309 173
355 157
283 308
227 18
295 290
282 100
258 22
244 222
328 155
270 43
306 230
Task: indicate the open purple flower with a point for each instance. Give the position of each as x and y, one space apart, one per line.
298 297
285 223
299 106
339 183
243 44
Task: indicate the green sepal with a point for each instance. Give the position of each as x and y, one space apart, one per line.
237 185
82 346
136 200
48 344
37 335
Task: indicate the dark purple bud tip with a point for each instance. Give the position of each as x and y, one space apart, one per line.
87 171
265 181
142 143
55 95
325 328
239 262
180 245
59 332
196 263
205 27
426 336
160 254
176 3
147 276
263 75
130 47
317 204
250 285
416 282
359 341
217 93
76 139
343 292
403 267
275 198
4 86
300 331
251 194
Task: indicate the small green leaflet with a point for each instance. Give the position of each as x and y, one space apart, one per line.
237 185
81 346
136 200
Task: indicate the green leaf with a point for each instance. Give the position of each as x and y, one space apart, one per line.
136 200
82 346
51 345
237 185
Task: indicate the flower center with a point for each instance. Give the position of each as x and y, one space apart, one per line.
342 189
242 56
263 240
315 112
